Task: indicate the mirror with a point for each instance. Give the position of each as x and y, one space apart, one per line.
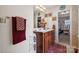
64 27
38 16
43 17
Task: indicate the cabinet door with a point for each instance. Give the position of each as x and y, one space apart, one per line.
53 37
39 43
46 41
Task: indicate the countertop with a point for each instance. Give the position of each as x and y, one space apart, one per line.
42 30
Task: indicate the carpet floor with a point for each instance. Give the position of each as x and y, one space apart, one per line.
57 48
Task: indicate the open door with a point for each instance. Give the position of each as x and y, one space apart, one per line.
74 26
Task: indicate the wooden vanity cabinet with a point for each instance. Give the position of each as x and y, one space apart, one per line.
44 40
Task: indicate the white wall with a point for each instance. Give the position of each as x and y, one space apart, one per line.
6 31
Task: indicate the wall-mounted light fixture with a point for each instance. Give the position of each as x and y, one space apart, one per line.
41 8
2 19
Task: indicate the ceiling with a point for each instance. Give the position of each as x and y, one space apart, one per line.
51 8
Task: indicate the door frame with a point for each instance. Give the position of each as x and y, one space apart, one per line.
58 31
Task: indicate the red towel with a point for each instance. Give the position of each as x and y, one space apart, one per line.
18 33
19 23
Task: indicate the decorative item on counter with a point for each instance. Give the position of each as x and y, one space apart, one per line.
53 18
18 29
49 14
54 27
2 19
43 23
46 15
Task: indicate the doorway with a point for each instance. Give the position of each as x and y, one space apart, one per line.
64 27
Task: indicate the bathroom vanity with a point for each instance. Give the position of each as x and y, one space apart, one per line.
44 39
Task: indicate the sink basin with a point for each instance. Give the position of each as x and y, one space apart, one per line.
42 30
